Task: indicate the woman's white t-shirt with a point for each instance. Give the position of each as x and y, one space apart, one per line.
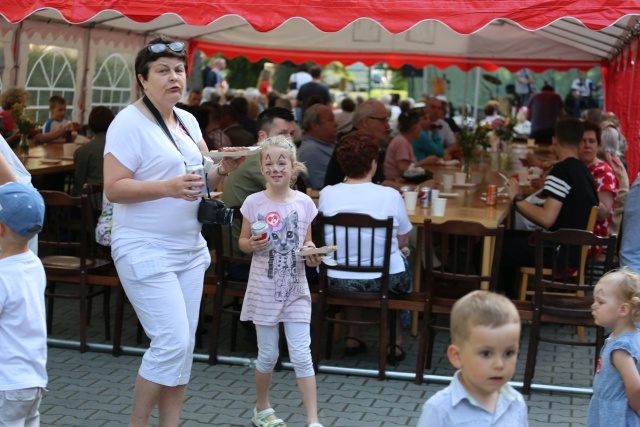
142 147
372 199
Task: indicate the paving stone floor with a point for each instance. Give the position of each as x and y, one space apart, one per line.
95 388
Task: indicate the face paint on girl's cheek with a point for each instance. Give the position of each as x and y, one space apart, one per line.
267 167
280 167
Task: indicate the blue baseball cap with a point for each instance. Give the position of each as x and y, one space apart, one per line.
21 208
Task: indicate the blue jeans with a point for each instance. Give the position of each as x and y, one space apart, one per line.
630 245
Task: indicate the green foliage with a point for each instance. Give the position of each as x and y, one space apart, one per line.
281 75
241 73
398 81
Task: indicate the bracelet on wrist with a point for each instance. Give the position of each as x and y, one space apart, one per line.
219 173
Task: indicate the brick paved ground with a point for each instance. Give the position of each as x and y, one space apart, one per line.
94 389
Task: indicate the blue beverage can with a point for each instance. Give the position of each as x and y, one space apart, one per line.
425 197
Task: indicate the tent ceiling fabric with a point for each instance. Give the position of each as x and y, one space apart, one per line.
563 44
463 16
499 44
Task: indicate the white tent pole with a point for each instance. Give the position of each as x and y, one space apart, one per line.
476 95
464 91
83 84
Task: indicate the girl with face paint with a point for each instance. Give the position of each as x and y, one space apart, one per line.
277 289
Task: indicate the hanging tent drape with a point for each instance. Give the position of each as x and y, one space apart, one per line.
537 34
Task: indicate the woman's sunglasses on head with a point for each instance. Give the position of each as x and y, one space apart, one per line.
161 47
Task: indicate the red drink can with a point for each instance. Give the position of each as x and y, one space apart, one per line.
405 188
425 197
260 228
492 195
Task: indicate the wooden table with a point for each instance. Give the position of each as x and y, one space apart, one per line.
37 163
468 206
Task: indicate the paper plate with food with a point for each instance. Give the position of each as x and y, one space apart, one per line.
312 251
232 152
452 162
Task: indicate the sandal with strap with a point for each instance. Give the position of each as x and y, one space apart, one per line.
260 418
392 357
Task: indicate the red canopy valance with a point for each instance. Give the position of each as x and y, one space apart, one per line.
393 59
463 16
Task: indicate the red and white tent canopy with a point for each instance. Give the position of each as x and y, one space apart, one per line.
537 34
396 16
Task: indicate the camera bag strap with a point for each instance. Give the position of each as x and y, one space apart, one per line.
160 121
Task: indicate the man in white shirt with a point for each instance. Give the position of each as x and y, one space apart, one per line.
582 84
300 77
585 89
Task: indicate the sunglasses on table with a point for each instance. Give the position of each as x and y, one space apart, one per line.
162 47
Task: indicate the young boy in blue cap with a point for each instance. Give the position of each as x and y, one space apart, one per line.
23 328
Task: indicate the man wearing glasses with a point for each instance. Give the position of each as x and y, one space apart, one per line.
371 117
434 106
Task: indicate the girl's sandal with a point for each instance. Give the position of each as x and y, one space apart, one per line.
260 418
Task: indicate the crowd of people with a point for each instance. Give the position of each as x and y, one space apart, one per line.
351 154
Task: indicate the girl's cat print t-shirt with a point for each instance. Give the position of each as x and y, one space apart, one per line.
277 290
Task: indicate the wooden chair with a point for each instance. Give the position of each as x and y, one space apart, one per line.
66 248
561 298
227 287
94 193
358 255
460 272
314 194
528 272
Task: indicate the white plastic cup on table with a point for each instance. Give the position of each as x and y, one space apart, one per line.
461 178
410 200
438 206
68 149
447 182
435 193
523 175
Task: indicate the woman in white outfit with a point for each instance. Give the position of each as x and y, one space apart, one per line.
12 169
156 243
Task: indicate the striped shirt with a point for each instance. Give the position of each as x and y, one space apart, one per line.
277 290
571 183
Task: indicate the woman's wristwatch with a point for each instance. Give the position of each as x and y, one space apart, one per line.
516 199
219 173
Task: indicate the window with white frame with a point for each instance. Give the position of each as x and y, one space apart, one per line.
51 71
112 84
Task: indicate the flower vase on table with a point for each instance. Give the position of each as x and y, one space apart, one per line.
471 140
23 148
25 126
466 168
